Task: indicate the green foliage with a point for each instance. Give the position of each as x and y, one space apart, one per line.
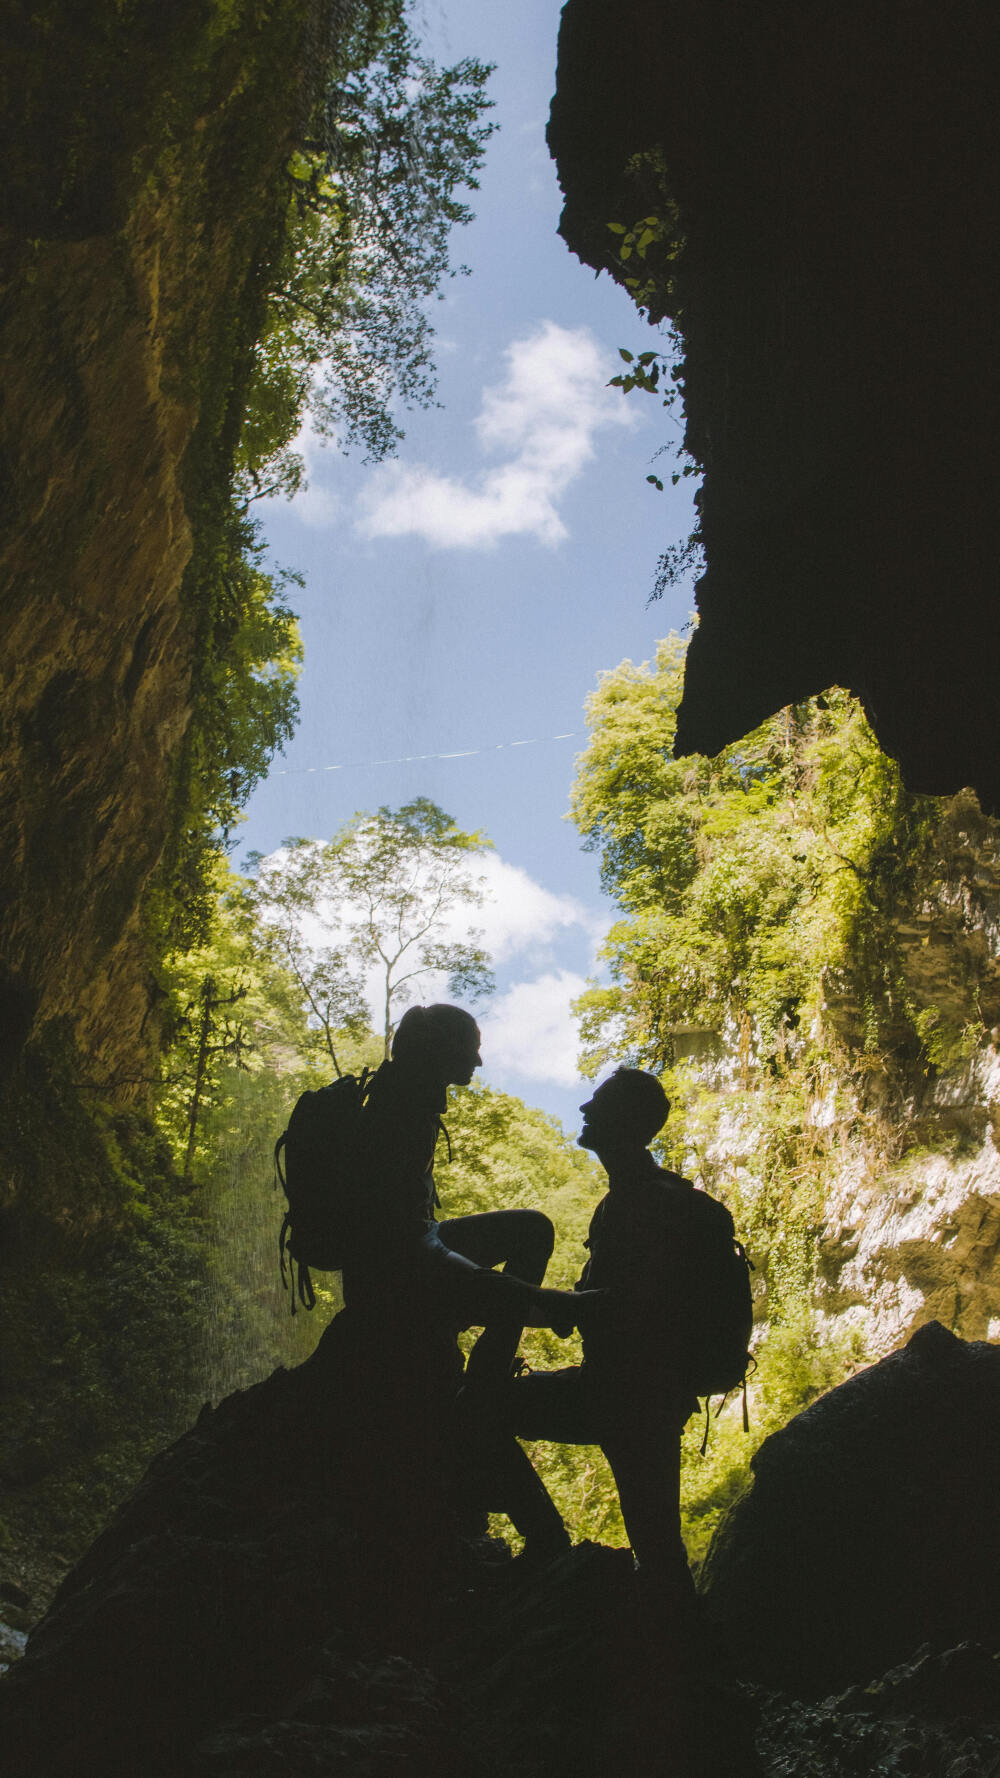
245 707
647 251
945 1043
749 881
767 965
248 1328
381 891
102 1281
373 198
255 1021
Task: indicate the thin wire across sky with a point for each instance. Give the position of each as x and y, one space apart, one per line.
412 758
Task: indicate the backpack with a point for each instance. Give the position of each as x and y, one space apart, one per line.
719 1301
324 1151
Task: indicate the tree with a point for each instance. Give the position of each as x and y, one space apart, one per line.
373 198
227 1006
370 910
744 880
773 963
373 191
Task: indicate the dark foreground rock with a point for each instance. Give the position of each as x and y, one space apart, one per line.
296 1588
299 1589
937 1716
871 1527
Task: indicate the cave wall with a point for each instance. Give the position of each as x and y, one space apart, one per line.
837 180
144 148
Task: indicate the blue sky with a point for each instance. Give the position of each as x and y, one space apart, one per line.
463 599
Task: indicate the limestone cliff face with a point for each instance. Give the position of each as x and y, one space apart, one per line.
904 1142
918 1239
145 153
913 1220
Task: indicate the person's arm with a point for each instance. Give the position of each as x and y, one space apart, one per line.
583 1282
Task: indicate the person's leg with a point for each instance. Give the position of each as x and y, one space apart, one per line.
520 1240
643 1449
541 1405
502 1479
551 1405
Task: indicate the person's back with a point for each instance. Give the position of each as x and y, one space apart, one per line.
402 1119
638 1252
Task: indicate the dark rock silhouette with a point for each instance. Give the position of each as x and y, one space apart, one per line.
846 436
939 1713
871 1526
249 1542
296 1588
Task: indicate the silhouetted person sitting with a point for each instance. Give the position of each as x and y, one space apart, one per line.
446 1266
629 1395
413 1270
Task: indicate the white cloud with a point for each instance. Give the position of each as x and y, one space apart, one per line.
529 1031
519 915
541 421
315 505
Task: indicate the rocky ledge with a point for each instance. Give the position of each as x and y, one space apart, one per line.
298 1587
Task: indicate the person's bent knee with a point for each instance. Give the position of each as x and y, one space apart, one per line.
537 1231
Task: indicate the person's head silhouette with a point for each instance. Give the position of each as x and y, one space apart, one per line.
438 1041
624 1114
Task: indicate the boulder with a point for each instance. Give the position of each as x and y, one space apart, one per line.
870 1527
298 1587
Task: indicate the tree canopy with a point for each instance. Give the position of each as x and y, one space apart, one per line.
773 962
375 187
747 882
374 193
382 893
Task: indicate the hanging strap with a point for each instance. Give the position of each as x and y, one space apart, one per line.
443 1131
307 1295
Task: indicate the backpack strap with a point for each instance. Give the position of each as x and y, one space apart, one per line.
286 1260
282 1244
307 1295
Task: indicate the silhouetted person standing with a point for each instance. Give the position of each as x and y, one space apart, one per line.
630 1395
